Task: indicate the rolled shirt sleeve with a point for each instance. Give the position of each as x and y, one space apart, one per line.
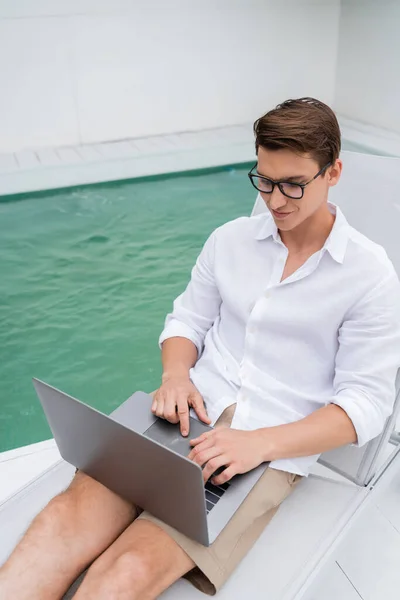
368 358
195 311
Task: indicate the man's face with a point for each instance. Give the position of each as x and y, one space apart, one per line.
284 165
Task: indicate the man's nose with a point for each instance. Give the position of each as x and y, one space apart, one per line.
277 200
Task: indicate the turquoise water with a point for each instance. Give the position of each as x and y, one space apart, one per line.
87 276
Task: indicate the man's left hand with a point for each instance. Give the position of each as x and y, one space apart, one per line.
239 451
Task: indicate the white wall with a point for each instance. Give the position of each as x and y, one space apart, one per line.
81 71
368 69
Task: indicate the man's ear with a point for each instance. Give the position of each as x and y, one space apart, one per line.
334 172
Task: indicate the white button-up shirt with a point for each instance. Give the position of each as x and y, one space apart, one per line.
329 333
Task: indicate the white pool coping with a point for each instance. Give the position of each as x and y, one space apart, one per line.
50 168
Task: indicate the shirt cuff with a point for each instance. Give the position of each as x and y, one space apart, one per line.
178 329
367 420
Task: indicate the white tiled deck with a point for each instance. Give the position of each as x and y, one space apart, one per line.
20 466
47 168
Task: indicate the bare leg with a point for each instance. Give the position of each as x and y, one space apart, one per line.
139 565
73 529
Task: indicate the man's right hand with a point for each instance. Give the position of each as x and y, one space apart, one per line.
173 399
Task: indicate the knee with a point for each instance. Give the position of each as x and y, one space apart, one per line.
128 572
61 512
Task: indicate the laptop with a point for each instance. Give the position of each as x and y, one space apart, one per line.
143 459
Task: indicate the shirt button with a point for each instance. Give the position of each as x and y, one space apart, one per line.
267 295
252 329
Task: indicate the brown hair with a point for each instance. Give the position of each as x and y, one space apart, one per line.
305 126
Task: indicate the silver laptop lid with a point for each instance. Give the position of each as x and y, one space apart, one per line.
137 468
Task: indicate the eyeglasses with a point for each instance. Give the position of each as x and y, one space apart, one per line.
288 189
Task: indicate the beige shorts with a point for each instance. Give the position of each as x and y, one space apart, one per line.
215 563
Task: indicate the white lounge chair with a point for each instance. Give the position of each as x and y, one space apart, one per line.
301 537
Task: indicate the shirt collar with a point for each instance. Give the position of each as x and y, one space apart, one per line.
266 228
335 244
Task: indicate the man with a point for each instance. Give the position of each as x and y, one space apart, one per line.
288 332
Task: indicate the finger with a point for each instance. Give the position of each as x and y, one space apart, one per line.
201 447
183 414
159 410
154 404
225 476
201 458
170 413
201 438
213 465
197 402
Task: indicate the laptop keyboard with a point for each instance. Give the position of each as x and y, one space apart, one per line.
214 493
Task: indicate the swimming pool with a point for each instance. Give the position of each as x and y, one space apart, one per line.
87 276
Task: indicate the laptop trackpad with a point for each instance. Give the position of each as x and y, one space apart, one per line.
169 435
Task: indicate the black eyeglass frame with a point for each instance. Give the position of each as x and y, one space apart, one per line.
250 175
